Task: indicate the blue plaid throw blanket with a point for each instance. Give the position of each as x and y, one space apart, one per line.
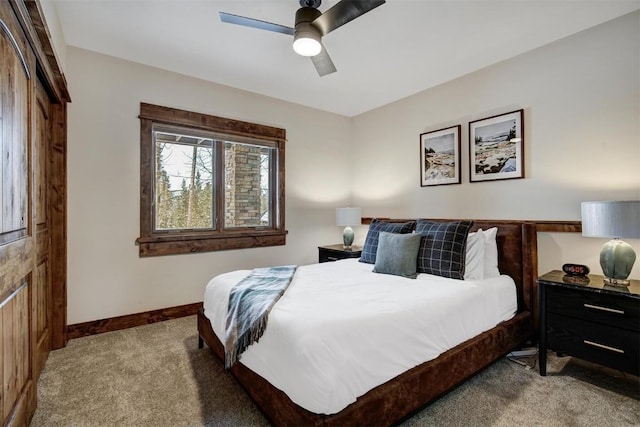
250 302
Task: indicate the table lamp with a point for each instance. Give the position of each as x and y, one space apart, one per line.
346 217
615 220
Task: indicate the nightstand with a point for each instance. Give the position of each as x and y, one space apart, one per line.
590 320
336 252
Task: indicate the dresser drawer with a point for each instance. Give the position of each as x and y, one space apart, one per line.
594 342
612 310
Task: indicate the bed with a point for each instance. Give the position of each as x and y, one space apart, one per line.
405 393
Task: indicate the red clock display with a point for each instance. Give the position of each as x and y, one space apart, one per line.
575 269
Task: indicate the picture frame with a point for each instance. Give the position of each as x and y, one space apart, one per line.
496 147
440 157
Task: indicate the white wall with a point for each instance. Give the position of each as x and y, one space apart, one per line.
581 101
106 277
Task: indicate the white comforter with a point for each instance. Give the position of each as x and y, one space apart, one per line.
341 330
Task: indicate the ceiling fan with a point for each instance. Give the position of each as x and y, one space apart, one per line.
310 26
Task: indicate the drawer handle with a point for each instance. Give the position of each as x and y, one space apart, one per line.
606 347
610 310
332 258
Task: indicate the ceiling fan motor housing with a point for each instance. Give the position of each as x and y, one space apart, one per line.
304 17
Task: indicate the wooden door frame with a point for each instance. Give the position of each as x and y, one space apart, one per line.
57 193
31 18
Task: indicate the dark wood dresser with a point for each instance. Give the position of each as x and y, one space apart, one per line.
591 320
335 252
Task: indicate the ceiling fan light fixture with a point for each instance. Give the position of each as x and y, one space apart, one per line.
307 43
306 39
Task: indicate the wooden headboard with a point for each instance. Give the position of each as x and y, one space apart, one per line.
517 253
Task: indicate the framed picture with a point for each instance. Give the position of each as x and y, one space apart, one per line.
496 147
440 157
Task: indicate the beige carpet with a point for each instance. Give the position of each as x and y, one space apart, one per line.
155 375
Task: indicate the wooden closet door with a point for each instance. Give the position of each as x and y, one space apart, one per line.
17 213
41 293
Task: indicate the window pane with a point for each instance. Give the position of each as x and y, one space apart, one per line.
247 190
184 186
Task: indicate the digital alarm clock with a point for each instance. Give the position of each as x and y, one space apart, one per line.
576 270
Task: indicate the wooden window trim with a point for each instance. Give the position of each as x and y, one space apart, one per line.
154 243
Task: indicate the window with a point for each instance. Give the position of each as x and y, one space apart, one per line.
208 183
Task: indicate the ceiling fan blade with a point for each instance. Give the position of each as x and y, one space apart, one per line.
255 23
323 63
343 12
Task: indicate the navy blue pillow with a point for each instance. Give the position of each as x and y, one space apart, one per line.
370 247
443 247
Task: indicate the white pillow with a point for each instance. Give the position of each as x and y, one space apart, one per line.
474 257
491 254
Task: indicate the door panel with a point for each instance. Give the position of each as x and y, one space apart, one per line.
13 148
42 132
42 280
15 349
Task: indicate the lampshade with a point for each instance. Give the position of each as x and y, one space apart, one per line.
613 219
348 216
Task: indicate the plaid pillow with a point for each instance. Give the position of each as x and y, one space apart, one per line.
443 247
370 247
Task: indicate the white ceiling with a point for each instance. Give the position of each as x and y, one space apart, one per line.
396 50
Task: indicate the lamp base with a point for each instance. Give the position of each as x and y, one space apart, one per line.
347 237
616 259
620 283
